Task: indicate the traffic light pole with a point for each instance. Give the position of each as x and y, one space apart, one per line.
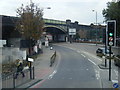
105 55
109 63
106 49
111 40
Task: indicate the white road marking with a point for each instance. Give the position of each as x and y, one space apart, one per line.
78 51
71 48
115 81
92 56
87 69
104 70
116 72
83 55
92 62
97 74
50 76
95 45
92 44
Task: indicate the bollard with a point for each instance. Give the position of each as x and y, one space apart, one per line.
33 73
52 59
30 71
13 80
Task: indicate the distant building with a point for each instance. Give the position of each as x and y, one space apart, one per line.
13 37
8 31
115 0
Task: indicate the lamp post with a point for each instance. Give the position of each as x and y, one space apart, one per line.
68 21
96 24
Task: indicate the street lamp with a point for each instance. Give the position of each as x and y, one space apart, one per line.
96 25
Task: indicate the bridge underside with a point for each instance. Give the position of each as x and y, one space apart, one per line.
57 34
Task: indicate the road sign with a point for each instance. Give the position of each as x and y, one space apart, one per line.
72 31
111 43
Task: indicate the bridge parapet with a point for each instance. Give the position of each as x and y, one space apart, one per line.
54 21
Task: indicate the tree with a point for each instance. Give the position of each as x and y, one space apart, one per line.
112 12
82 34
30 23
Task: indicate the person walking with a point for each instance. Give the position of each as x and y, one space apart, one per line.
46 41
20 69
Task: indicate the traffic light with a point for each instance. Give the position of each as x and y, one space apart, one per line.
111 32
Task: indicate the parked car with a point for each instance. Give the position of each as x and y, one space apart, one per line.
101 52
117 60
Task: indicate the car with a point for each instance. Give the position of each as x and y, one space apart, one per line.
101 52
117 60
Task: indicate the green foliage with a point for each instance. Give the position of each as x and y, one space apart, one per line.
112 12
30 21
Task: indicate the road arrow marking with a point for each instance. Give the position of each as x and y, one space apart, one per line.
116 72
50 76
97 74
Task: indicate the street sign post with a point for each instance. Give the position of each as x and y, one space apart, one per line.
111 40
72 32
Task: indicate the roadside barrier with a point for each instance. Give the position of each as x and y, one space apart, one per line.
9 81
52 59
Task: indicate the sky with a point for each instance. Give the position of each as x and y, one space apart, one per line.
75 10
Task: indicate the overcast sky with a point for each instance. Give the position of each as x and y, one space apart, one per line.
75 10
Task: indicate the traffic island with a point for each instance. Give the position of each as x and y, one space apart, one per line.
102 66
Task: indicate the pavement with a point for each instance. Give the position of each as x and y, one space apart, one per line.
42 67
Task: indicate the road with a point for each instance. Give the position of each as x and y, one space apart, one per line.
75 70
89 50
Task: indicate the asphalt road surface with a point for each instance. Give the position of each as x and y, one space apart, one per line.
74 71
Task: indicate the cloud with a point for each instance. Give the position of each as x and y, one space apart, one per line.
70 1
76 10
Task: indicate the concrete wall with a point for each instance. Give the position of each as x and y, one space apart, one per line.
2 42
14 41
11 54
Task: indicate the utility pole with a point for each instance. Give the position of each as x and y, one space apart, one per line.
96 24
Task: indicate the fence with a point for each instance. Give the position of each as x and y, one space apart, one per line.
9 81
52 59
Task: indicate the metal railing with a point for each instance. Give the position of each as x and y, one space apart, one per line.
9 81
52 59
